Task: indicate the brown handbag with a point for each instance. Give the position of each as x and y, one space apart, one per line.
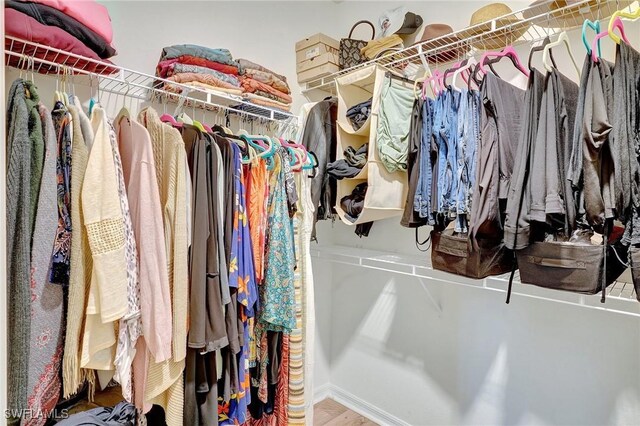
575 267
634 261
350 55
453 253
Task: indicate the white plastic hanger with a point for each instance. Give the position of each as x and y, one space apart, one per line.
471 62
427 73
562 38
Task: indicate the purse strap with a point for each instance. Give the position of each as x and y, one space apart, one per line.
373 29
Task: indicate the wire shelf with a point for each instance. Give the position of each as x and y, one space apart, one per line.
529 25
621 296
122 81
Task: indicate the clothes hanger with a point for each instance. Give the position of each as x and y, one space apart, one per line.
540 48
431 82
508 52
454 68
562 38
617 24
621 14
515 60
470 63
124 111
425 76
595 26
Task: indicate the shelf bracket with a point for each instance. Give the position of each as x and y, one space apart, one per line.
432 299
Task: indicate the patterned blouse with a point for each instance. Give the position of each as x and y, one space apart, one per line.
62 243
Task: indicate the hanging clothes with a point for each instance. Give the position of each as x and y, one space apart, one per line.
47 306
277 295
81 262
24 130
62 245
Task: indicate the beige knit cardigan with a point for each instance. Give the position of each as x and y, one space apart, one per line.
164 380
81 262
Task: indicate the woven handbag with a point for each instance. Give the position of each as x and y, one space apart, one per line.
350 48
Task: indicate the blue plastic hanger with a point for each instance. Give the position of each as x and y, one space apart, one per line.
595 26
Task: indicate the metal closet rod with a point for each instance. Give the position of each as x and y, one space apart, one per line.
135 87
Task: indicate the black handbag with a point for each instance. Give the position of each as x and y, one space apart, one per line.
350 48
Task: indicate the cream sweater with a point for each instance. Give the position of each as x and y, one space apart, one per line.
81 262
107 300
164 380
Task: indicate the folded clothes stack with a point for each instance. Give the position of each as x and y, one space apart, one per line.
79 27
198 66
216 70
264 87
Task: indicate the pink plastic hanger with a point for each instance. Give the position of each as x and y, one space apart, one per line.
507 51
616 24
166 118
434 82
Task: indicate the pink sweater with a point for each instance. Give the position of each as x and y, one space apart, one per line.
139 171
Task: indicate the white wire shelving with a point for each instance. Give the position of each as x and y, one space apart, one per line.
122 81
529 25
621 297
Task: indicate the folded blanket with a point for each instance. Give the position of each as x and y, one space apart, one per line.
259 100
187 77
47 15
270 96
165 67
198 85
178 68
268 78
89 13
250 86
24 27
264 100
247 64
222 56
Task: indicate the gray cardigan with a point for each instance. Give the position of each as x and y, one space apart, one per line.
20 110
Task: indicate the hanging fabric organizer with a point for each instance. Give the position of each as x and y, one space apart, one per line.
387 191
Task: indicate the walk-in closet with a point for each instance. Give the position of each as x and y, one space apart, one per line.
340 212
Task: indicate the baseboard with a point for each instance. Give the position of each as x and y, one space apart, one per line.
321 393
359 405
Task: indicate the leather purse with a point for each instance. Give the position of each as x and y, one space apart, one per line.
451 252
350 55
579 268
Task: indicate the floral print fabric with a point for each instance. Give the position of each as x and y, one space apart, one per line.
62 244
277 294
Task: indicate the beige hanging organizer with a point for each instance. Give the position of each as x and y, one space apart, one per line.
387 192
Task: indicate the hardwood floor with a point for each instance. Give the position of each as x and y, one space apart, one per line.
331 413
